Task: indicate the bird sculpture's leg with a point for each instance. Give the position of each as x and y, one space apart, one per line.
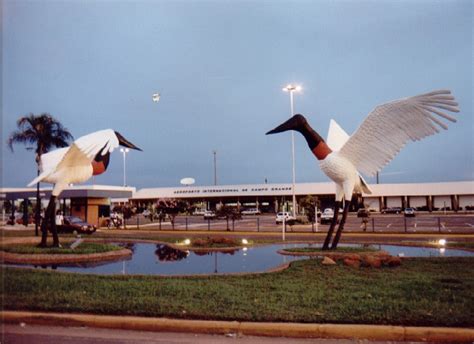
54 229
48 221
44 232
341 225
332 226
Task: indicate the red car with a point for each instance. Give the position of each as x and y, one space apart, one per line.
74 224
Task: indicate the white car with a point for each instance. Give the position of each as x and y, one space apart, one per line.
327 215
209 215
199 212
284 215
252 211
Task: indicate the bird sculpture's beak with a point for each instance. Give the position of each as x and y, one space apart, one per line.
294 123
124 142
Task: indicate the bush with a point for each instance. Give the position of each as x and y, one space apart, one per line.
215 242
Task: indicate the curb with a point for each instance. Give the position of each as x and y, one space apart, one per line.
295 330
40 259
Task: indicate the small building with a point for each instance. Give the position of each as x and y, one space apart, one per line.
88 202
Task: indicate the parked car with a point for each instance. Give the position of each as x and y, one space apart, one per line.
74 224
409 212
362 212
209 215
284 215
20 221
251 211
199 212
327 215
394 210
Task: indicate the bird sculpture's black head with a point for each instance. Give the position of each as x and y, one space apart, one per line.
101 160
300 124
124 142
297 123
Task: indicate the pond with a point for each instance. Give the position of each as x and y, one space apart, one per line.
160 259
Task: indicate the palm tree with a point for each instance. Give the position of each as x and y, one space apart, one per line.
45 132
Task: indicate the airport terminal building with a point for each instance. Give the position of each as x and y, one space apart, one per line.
271 197
93 202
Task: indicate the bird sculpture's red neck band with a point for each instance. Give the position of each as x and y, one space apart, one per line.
321 151
98 167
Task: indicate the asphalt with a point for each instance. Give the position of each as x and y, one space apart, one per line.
291 330
40 334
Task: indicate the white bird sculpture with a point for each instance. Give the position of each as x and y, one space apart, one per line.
373 145
89 155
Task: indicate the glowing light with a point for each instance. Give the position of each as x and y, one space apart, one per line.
245 241
442 250
292 88
442 242
245 249
187 242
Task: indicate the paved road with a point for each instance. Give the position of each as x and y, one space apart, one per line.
17 334
431 223
423 222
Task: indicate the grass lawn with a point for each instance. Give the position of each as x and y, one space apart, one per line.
83 248
467 245
423 291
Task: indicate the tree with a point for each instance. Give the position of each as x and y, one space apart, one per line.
171 207
42 132
309 204
230 213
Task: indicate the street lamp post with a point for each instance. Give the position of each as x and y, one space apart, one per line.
291 89
215 167
124 153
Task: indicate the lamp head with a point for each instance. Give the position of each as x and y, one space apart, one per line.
292 88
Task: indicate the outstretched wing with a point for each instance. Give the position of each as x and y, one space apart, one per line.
390 126
79 154
104 141
337 136
85 148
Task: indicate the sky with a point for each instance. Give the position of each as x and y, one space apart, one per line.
220 67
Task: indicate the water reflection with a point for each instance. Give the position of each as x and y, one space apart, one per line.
166 253
211 252
128 245
147 259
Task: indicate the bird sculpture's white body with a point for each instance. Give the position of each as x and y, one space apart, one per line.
343 173
380 137
73 164
340 169
87 156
